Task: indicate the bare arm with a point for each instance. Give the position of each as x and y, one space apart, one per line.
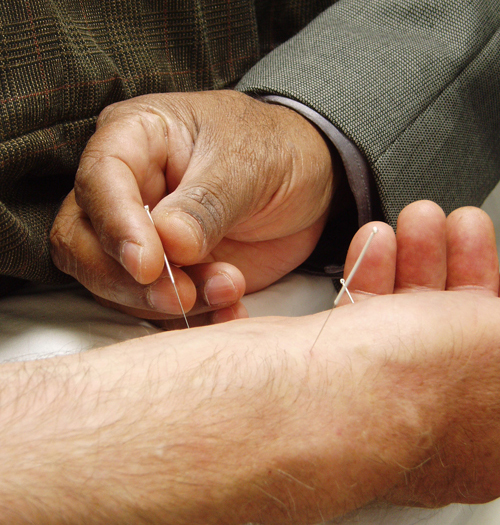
244 422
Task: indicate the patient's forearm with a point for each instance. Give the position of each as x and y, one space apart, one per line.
248 421
189 427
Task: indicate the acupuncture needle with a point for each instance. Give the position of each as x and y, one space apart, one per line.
346 283
170 274
342 282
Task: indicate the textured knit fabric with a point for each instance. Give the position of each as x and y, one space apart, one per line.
415 85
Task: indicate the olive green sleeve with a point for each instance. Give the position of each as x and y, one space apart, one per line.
415 85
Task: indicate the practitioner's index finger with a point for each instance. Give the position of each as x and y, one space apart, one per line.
111 185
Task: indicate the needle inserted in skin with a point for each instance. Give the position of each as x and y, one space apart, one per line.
167 264
346 283
342 282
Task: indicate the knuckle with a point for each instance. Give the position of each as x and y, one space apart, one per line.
132 113
214 204
85 183
79 188
91 165
107 113
61 243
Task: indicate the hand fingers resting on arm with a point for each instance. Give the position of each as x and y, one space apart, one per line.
209 165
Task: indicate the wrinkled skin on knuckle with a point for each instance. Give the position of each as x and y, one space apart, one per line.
84 191
148 121
118 110
217 209
106 114
92 161
182 108
61 242
78 262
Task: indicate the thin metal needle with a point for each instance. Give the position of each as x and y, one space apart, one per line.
342 282
346 283
355 267
167 264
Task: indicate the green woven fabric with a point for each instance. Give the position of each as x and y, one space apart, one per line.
415 85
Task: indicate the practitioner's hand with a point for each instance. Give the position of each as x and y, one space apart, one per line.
431 253
239 189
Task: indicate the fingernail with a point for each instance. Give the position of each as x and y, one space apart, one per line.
220 289
131 258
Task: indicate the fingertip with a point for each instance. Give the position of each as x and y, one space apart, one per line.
421 248
475 220
472 252
418 210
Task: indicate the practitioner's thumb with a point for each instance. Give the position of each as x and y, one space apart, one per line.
193 219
